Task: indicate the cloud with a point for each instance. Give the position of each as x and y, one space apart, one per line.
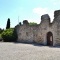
55 2
41 11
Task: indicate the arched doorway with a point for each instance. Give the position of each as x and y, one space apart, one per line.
49 39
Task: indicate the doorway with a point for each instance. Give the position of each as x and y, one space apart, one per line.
49 39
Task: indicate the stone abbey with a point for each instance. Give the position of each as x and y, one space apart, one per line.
45 33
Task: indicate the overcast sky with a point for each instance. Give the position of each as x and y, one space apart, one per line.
30 10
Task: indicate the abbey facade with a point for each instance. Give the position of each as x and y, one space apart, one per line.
45 33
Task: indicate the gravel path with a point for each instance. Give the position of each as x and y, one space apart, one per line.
20 51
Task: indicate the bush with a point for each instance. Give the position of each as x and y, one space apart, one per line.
9 35
1 30
32 23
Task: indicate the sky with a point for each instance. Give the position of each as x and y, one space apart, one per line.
31 10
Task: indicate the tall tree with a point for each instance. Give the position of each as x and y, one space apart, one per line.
8 24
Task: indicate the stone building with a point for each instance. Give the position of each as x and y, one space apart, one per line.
45 33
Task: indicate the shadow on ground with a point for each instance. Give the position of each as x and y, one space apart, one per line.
36 44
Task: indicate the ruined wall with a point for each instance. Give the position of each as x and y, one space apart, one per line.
56 25
38 33
24 32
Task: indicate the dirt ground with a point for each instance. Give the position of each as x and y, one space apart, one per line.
22 51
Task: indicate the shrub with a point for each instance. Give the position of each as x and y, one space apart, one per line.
9 35
32 23
1 30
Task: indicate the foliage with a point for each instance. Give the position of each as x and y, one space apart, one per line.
1 30
0 35
8 24
32 23
9 35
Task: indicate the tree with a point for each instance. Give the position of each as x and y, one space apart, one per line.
8 24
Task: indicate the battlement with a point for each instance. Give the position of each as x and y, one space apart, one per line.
45 17
56 13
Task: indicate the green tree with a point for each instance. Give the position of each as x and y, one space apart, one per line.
8 24
32 23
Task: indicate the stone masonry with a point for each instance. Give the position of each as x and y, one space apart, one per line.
45 33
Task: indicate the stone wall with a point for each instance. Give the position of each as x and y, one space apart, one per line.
56 24
38 33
